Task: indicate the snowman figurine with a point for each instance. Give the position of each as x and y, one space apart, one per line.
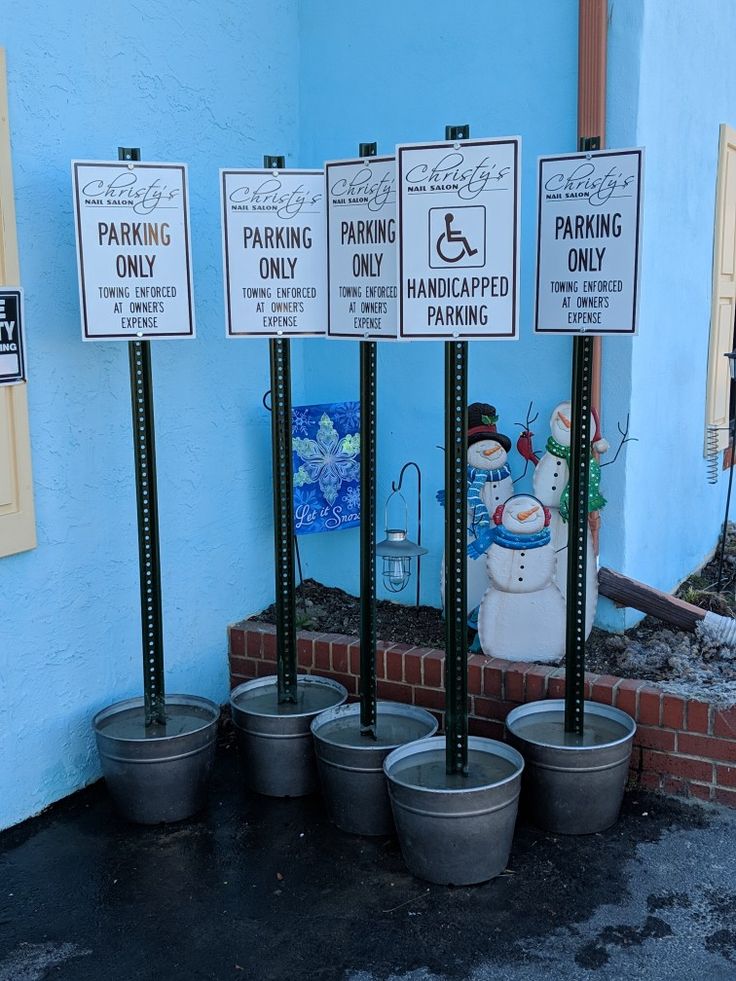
551 485
489 484
522 614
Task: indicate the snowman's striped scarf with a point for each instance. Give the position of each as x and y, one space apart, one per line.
480 519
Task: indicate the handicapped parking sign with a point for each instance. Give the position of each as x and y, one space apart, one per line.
458 239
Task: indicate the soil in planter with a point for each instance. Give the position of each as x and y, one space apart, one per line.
679 661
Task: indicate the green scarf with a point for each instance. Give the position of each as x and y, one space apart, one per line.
595 499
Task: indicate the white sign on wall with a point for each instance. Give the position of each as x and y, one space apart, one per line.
134 257
275 255
458 239
588 233
361 247
12 347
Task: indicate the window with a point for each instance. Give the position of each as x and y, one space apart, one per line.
723 307
17 522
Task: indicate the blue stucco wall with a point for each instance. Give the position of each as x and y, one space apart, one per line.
686 89
184 81
505 73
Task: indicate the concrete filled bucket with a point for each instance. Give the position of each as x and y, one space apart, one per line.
158 774
350 765
573 785
275 739
455 829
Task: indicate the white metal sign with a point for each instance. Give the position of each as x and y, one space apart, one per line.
12 347
588 233
274 240
361 248
135 270
458 239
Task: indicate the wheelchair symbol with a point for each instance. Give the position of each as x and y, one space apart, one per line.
449 240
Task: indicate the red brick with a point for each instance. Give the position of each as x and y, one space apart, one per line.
671 785
677 766
707 746
488 728
237 641
381 648
697 716
650 781
654 738
724 722
430 698
703 791
649 706
395 663
514 682
626 696
590 680
264 669
604 689
673 712
432 669
340 657
476 663
354 658
413 666
396 692
556 684
727 797
269 647
493 677
254 643
726 776
322 655
492 708
305 652
535 681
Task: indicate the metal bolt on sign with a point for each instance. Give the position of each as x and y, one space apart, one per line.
144 443
368 416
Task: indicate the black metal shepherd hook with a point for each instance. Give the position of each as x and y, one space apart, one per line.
396 487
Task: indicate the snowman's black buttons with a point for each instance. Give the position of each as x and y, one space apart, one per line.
554 487
522 554
521 566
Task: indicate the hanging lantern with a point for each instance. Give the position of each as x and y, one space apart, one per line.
397 551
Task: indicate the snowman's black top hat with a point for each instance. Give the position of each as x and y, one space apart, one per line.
482 419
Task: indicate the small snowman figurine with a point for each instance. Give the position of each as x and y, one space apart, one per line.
522 614
489 483
551 485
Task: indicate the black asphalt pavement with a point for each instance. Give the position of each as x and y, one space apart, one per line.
259 889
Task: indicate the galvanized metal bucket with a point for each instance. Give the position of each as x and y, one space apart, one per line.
275 740
461 833
573 789
351 766
157 774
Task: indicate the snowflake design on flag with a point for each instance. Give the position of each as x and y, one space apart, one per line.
327 460
347 416
352 498
301 420
308 496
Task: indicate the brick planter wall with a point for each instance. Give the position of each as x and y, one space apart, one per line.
683 746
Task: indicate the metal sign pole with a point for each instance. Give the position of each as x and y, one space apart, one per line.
283 506
456 625
144 443
368 414
577 549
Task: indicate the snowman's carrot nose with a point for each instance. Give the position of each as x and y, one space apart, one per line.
523 515
565 420
491 451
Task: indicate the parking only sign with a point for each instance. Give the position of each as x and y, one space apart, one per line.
361 248
588 233
133 250
458 239
12 348
274 243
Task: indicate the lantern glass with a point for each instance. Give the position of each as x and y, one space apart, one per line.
396 572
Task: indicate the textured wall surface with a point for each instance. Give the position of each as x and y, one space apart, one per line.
211 85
